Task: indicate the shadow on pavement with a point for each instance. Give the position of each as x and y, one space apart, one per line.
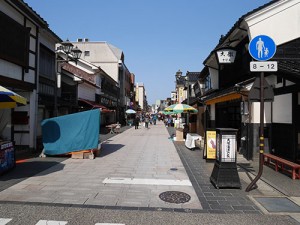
28 169
107 149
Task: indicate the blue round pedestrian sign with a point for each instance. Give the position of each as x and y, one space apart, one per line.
262 48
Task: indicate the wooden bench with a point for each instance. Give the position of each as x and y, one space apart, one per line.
283 164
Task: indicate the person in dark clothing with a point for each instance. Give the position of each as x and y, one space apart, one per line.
185 130
147 122
136 122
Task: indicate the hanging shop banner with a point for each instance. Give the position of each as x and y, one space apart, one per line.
210 144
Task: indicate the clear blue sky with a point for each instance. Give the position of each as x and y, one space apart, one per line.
158 37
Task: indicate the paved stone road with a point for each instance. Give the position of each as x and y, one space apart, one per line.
135 167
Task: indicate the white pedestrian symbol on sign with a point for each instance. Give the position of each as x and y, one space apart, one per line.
266 52
260 45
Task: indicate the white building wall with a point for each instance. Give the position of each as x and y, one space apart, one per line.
112 69
282 109
100 55
281 21
10 70
214 76
255 112
141 95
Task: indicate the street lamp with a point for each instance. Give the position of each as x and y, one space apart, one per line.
185 80
72 54
225 172
225 55
178 77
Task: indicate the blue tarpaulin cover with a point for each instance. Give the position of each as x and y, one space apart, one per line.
70 133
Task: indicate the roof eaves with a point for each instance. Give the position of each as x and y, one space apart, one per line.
30 12
237 25
34 16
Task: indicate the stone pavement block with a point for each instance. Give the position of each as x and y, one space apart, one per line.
71 200
161 204
244 208
40 199
19 186
14 197
192 205
104 200
54 188
95 201
133 202
33 187
75 194
234 203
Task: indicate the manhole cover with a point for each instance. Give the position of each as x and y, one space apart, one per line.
176 197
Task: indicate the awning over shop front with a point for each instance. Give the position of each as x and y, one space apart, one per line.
93 105
223 98
237 91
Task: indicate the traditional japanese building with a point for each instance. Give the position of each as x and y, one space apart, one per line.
225 88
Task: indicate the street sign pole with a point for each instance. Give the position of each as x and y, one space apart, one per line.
261 136
261 48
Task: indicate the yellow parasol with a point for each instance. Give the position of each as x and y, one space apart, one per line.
10 99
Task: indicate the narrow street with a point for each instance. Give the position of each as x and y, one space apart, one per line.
141 177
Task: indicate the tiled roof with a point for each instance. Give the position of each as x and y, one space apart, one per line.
193 76
289 66
192 101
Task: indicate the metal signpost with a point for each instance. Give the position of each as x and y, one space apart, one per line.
261 48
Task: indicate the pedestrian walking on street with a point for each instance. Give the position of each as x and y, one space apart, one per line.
147 122
136 122
154 118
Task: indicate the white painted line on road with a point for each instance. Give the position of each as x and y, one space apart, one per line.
116 180
51 222
4 221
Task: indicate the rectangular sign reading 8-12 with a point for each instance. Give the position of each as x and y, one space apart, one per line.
268 66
